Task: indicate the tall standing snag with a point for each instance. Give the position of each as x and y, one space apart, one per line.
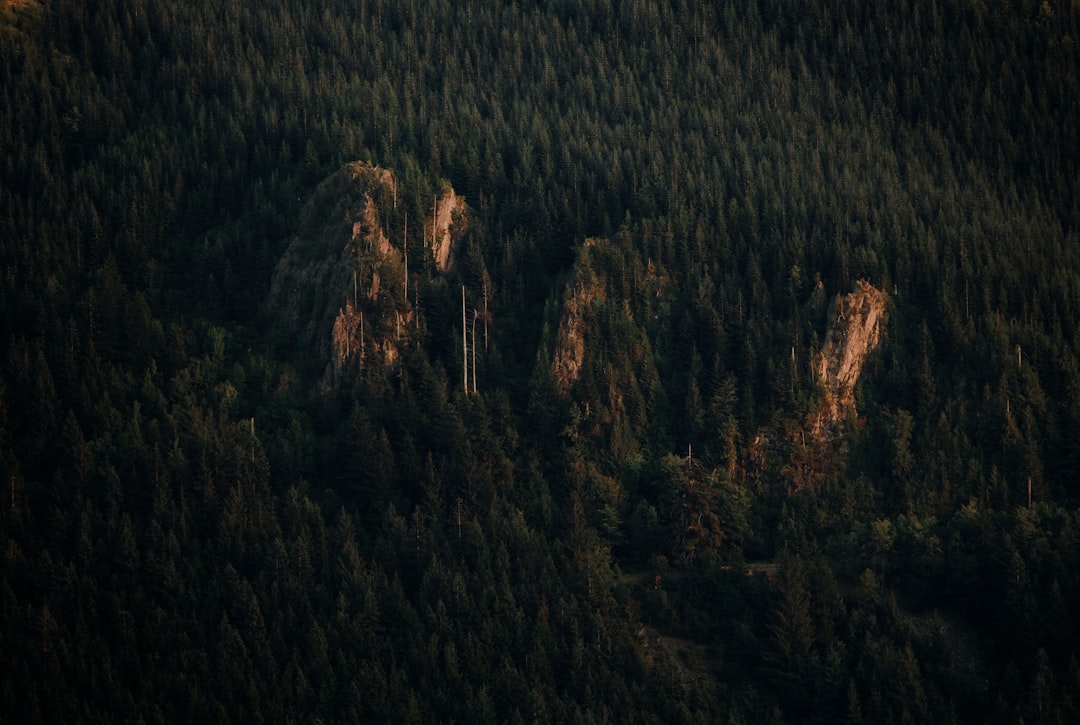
464 343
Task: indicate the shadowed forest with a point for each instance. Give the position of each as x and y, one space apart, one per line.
257 467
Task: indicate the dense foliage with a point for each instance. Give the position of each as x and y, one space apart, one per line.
192 531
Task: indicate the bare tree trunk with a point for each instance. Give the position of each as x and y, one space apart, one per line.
487 290
464 341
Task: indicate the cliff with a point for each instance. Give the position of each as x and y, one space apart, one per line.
855 325
340 287
582 288
448 207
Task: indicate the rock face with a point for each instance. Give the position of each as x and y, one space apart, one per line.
447 207
339 289
314 278
582 288
856 322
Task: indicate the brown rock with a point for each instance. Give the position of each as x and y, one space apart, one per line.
854 329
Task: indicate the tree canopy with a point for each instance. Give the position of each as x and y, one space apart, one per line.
193 529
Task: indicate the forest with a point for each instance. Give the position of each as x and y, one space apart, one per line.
266 456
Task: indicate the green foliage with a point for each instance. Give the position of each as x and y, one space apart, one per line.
191 531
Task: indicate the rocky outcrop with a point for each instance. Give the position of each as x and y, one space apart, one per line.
855 326
314 277
582 288
448 209
339 288
805 453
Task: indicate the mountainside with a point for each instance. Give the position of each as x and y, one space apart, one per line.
743 388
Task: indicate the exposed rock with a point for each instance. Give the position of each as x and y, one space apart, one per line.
582 288
854 330
339 288
803 454
314 277
447 210
370 231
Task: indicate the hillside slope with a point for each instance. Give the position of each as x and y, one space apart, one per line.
289 432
